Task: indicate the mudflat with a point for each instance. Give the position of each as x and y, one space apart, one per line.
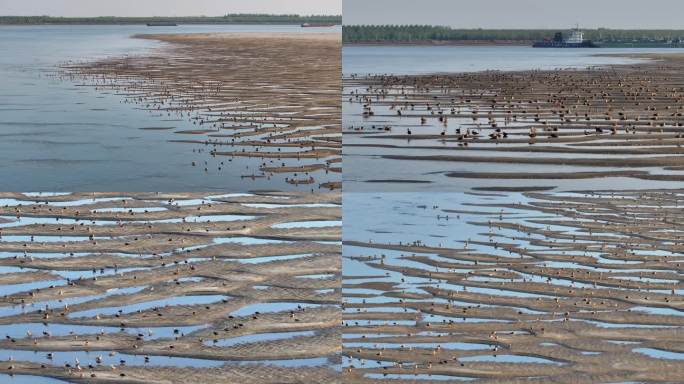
254 105
619 121
567 287
156 288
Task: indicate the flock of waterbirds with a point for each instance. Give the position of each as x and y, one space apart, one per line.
531 287
149 287
616 121
267 104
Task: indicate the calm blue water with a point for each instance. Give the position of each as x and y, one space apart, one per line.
55 136
436 59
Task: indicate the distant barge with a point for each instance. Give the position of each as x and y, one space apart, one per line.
162 24
576 40
318 25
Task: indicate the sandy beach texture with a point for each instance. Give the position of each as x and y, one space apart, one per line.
272 98
171 288
597 122
563 288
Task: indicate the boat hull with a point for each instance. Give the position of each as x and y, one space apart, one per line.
317 25
553 44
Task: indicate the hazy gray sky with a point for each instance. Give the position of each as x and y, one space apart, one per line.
166 7
519 13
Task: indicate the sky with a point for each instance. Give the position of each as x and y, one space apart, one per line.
531 14
86 8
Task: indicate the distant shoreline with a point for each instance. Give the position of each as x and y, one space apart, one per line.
179 23
192 20
443 35
443 43
487 43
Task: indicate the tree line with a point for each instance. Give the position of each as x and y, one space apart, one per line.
417 33
242 18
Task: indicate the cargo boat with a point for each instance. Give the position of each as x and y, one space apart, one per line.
318 25
575 40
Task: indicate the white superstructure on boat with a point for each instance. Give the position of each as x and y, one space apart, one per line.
576 37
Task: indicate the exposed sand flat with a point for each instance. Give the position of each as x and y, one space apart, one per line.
542 176
595 120
564 288
251 374
168 288
649 56
249 103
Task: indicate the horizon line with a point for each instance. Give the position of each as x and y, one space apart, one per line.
224 15
505 29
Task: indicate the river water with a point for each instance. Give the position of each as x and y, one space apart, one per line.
408 60
55 136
